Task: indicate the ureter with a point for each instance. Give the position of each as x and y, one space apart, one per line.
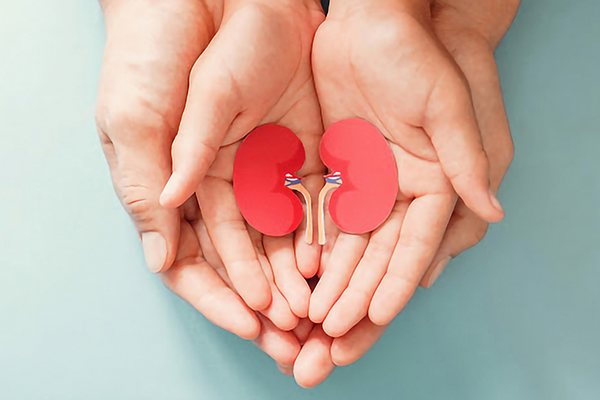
321 209
309 219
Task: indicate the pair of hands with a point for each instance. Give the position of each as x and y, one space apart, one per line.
183 81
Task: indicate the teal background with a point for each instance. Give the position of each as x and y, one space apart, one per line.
81 318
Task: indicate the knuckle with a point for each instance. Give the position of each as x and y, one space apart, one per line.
469 169
361 293
379 249
508 153
132 121
414 242
136 202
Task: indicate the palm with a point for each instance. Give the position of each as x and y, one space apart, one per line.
385 70
141 100
258 68
469 30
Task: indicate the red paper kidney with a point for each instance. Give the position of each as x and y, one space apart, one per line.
359 156
265 157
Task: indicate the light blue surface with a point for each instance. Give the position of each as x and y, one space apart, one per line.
516 318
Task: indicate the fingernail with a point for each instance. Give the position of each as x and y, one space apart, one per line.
495 201
438 270
155 250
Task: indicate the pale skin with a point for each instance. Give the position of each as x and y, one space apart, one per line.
148 105
421 98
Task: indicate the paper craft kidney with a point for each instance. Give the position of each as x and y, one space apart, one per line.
364 176
263 180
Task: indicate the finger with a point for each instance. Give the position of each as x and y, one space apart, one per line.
353 304
464 231
228 95
228 233
286 369
283 347
303 329
452 125
314 364
140 165
210 253
196 282
293 286
278 311
422 231
210 109
345 257
353 345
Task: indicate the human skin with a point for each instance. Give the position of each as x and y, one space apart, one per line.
470 31
146 100
138 117
149 55
396 64
265 51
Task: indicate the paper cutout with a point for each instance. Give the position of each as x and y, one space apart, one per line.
263 181
365 177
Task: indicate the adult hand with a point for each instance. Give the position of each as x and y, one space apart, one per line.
408 84
470 31
150 50
256 70
143 92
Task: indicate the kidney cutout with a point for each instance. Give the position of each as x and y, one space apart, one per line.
263 180
364 177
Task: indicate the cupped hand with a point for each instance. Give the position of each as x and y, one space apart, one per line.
256 70
150 50
200 278
393 70
259 62
470 31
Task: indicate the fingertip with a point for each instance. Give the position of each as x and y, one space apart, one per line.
259 300
499 214
340 353
482 202
171 196
315 312
300 305
283 320
155 251
490 214
333 328
286 369
249 329
310 372
331 331
378 315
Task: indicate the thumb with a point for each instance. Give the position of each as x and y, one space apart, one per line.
452 125
209 111
140 166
